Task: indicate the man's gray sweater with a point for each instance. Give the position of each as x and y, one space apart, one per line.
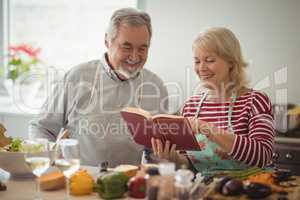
88 101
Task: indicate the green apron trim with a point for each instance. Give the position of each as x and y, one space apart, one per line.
206 160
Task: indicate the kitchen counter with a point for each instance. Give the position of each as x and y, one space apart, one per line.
24 189
288 140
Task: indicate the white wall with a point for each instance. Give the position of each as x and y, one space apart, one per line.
268 30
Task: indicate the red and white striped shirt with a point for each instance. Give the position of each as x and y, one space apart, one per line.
252 122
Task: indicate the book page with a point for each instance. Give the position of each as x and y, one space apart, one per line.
138 111
167 116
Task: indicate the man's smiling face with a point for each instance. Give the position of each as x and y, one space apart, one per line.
128 52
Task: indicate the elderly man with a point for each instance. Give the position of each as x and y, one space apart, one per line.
88 101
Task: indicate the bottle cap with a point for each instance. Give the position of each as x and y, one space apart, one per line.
152 171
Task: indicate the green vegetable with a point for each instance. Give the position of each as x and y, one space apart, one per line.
112 185
15 145
243 174
31 148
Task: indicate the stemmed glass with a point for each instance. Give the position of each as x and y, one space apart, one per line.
39 161
68 160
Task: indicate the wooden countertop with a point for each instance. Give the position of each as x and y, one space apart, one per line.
25 189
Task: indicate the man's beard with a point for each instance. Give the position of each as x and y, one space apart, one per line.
128 74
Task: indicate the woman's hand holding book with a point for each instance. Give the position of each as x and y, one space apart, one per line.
168 152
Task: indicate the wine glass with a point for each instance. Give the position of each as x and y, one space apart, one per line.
68 160
37 159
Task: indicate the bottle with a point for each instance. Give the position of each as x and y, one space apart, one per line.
146 158
166 186
152 183
102 169
183 184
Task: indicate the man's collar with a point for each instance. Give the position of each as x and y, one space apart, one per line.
108 69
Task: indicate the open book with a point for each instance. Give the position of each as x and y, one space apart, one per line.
143 126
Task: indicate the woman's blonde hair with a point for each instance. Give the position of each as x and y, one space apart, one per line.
223 42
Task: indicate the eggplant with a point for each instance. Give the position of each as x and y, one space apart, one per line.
257 190
221 182
283 175
233 187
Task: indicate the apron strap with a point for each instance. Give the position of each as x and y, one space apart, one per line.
200 104
233 100
96 79
229 117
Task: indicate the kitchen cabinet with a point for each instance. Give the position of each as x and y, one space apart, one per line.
286 153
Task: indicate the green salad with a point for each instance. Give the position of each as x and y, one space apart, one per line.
19 145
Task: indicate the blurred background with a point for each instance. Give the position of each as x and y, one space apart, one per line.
60 34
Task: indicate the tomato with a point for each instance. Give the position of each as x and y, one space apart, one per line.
137 187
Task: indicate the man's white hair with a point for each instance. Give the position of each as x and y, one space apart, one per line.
128 16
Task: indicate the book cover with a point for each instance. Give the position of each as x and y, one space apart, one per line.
143 126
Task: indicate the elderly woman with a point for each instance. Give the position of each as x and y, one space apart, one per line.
234 124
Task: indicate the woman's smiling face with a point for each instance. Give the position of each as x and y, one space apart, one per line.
213 70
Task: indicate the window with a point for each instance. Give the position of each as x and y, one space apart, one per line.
3 39
68 32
